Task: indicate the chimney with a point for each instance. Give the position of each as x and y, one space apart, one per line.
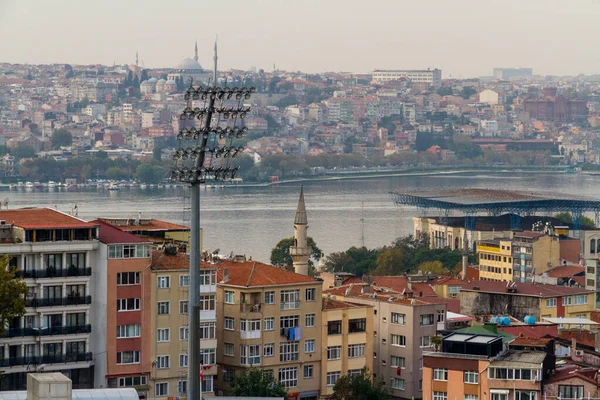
225 275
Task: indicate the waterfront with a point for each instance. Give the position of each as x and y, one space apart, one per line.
250 220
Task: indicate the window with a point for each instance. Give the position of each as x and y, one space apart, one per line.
397 383
440 374
269 297
128 331
399 319
207 384
269 349
207 303
184 333
567 301
426 319
128 304
128 357
309 320
440 396
498 396
526 395
471 377
183 360
288 351
357 325
184 280
398 362
425 341
398 340
208 277
164 282
334 352
228 374
334 327
517 374
183 306
248 325
290 299
250 355
309 346
269 323
288 377
129 251
332 378
580 299
162 362
182 387
354 372
551 302
229 349
441 315
163 307
290 321
208 330
208 356
310 294
161 389
132 381
163 335
128 278
471 397
229 323
592 246
570 392
356 350
308 371
229 297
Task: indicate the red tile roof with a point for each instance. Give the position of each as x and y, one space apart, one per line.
356 290
524 289
530 234
145 225
565 271
531 341
42 218
448 282
256 274
331 304
570 371
401 283
111 235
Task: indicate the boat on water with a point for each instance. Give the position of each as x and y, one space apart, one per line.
143 186
29 185
37 185
51 184
113 186
20 184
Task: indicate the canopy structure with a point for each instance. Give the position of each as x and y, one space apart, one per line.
571 321
454 317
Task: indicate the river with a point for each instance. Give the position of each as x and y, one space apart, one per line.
251 220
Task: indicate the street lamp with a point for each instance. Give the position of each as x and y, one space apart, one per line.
210 124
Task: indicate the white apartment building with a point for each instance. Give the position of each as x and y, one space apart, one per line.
52 252
430 76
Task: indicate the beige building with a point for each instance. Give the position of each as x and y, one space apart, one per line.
271 319
347 345
169 337
402 331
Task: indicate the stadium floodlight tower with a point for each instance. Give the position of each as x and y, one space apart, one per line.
210 125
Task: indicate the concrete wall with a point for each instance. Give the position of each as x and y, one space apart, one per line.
478 303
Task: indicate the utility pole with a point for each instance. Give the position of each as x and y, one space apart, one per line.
205 153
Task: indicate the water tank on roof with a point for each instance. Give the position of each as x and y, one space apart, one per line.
530 320
494 320
503 321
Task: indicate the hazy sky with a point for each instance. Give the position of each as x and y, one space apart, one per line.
462 37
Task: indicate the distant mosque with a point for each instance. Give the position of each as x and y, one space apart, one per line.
191 68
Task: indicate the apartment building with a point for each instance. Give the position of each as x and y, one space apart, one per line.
122 311
495 260
534 253
347 345
54 253
156 231
402 330
170 326
269 318
432 77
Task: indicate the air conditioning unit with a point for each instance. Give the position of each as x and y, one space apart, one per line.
579 352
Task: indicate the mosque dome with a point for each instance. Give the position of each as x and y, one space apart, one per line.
170 83
145 83
152 81
187 64
162 81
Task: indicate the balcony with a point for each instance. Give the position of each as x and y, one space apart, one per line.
54 330
251 308
58 301
48 359
54 272
290 305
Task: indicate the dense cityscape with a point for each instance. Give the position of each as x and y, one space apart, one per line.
108 290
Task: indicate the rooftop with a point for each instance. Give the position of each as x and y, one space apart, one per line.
111 235
531 341
257 274
519 358
565 271
402 283
489 329
523 289
143 224
331 304
42 218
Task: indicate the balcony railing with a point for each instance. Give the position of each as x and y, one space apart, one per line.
53 330
290 305
58 301
250 307
48 359
52 272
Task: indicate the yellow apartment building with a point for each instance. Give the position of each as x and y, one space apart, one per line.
495 260
269 318
347 345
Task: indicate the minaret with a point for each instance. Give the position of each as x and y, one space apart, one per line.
300 251
196 51
137 61
215 59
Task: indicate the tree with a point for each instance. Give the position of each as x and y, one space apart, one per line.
257 383
280 254
145 76
114 173
157 153
567 219
431 267
61 137
436 341
23 152
467 92
145 173
390 262
358 387
12 293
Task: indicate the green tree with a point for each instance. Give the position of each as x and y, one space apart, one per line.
431 267
436 341
114 173
157 153
12 294
358 387
280 254
467 92
20 152
61 137
146 173
102 155
390 262
567 219
257 383
145 76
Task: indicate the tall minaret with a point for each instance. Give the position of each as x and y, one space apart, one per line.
215 59
137 61
196 51
300 251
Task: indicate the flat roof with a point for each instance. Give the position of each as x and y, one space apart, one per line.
571 321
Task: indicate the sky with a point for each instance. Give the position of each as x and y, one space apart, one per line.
464 38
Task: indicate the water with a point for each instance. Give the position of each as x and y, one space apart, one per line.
251 220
